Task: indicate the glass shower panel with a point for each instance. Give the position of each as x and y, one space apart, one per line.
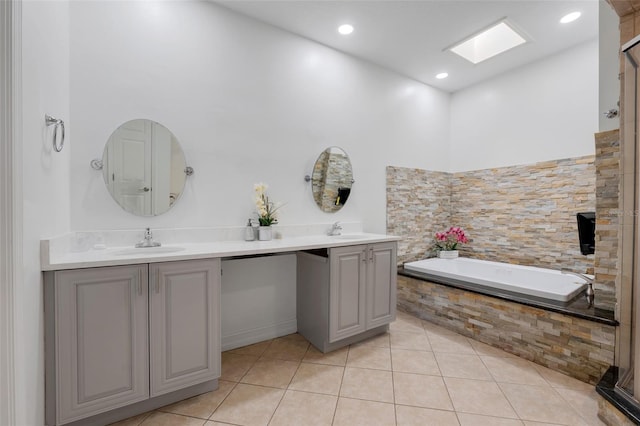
629 296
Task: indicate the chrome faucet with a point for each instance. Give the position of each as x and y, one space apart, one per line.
148 240
336 229
589 293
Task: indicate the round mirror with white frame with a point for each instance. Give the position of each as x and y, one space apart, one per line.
332 179
144 167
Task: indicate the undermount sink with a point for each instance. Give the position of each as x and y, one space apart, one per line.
350 236
147 250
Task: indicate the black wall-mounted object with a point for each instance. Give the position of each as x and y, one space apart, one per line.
343 194
587 232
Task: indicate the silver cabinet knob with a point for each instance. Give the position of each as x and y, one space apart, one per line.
146 189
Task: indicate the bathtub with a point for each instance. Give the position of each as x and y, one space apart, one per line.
546 284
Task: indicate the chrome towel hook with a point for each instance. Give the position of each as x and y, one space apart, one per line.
56 122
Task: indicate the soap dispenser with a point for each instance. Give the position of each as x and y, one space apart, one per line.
249 235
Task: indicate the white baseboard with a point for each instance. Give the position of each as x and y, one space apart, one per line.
256 335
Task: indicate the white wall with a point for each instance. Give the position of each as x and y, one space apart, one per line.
609 65
546 110
249 103
45 174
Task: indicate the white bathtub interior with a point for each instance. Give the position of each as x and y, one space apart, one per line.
527 280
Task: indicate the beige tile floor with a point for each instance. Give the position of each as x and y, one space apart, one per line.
417 374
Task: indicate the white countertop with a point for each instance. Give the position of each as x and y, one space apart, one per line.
52 260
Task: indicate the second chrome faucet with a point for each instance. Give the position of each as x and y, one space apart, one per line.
336 229
148 240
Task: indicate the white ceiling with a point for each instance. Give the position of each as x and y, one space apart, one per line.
410 37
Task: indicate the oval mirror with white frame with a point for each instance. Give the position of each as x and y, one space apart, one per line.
332 179
144 167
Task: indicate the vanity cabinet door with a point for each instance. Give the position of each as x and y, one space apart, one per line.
184 324
101 335
347 291
381 284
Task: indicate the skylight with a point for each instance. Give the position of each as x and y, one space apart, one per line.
488 43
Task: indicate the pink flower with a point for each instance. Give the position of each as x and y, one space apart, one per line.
449 239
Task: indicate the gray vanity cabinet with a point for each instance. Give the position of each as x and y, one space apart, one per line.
381 284
184 324
346 294
347 291
101 354
122 336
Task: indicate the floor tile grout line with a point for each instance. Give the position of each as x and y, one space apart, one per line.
393 385
224 423
276 387
324 363
377 402
284 393
435 358
310 392
509 401
376 369
448 392
505 418
235 385
576 409
248 369
147 415
159 410
444 410
245 373
537 367
344 371
512 382
489 370
456 413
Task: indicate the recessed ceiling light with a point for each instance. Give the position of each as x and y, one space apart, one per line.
570 17
488 43
442 75
345 29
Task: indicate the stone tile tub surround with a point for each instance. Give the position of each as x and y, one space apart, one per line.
521 214
574 346
608 217
418 205
526 214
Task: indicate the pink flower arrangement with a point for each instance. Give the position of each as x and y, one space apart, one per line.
449 239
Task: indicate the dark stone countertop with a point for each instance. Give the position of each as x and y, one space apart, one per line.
578 307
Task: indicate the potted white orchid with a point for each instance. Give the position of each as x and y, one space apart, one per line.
266 212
